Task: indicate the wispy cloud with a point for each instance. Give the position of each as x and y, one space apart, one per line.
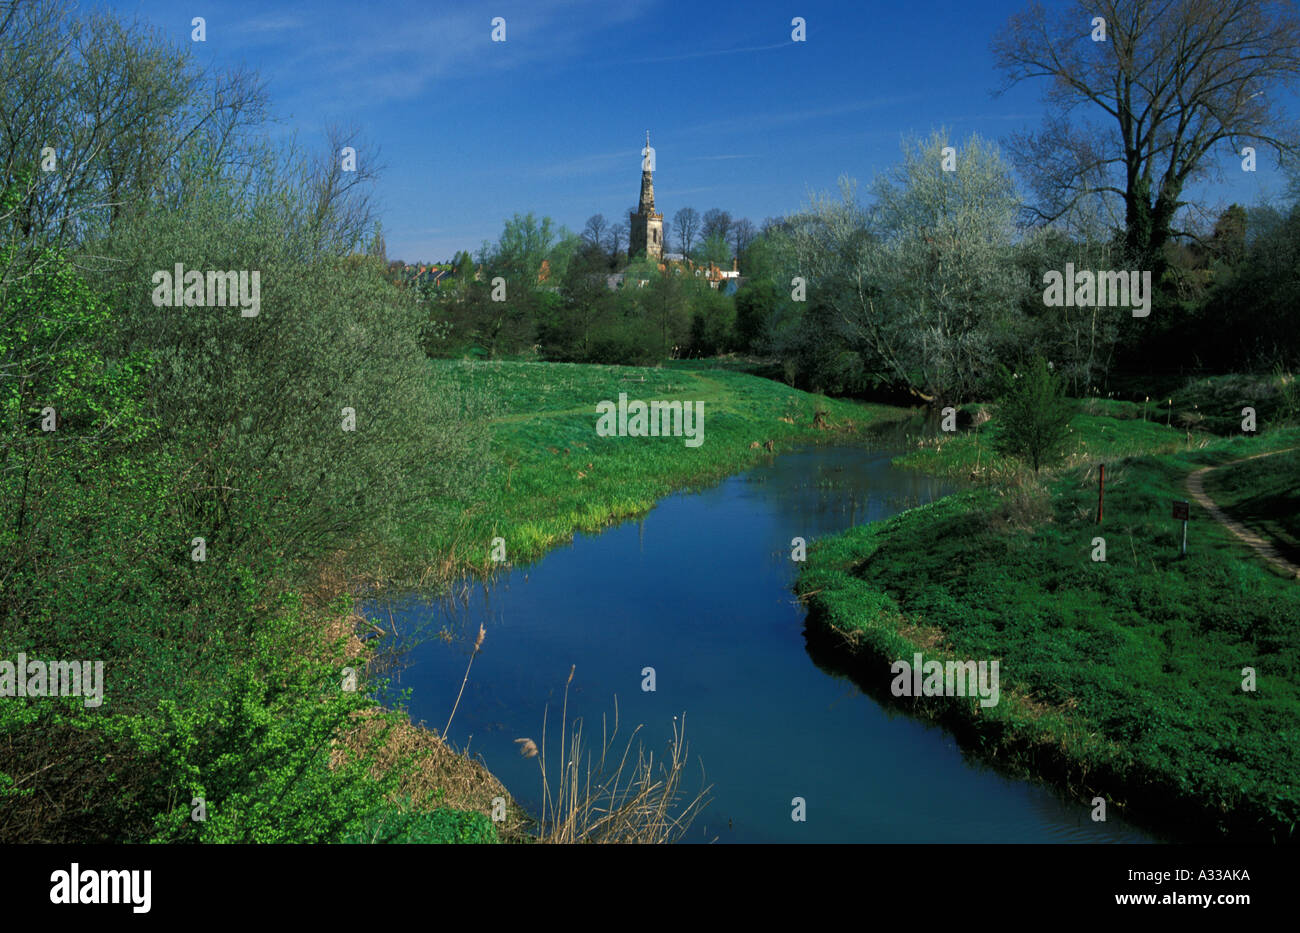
771 119
709 54
397 57
260 25
594 164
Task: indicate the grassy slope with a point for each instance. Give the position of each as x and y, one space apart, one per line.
1121 678
1263 494
1103 430
552 475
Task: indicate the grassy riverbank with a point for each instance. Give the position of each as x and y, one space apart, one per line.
551 476
1120 679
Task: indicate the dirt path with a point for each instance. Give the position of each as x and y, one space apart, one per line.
1196 487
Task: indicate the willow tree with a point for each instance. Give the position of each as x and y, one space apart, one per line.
922 282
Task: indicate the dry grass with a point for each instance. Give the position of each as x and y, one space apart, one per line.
1023 505
602 796
432 773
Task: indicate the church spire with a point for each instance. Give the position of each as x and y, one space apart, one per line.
647 225
647 202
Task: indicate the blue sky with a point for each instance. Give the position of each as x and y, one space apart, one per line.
553 119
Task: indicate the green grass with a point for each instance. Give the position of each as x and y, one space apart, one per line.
1121 679
1263 494
406 826
550 475
1102 431
1214 403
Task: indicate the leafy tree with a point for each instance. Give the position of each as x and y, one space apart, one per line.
921 283
755 307
1033 416
1251 318
1228 242
1082 341
713 318
524 243
464 269
716 251
176 423
378 249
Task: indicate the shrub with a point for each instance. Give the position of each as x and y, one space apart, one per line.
1033 416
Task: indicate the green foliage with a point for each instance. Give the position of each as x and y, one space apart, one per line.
1101 432
716 250
1033 416
413 827
918 285
755 309
176 423
524 243
713 320
257 749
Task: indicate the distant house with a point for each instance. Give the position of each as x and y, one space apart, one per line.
727 279
424 274
616 281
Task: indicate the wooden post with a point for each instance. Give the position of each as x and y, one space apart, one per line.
1101 491
1182 512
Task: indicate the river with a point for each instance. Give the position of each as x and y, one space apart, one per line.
700 590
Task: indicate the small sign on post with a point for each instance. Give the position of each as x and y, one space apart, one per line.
1183 512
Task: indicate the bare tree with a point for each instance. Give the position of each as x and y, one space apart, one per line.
615 238
620 234
686 226
742 234
596 229
716 222
1171 81
340 193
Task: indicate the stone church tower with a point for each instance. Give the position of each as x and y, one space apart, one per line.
647 228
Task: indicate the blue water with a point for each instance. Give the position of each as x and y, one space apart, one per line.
700 591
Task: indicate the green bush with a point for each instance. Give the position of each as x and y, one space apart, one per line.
1033 416
444 825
